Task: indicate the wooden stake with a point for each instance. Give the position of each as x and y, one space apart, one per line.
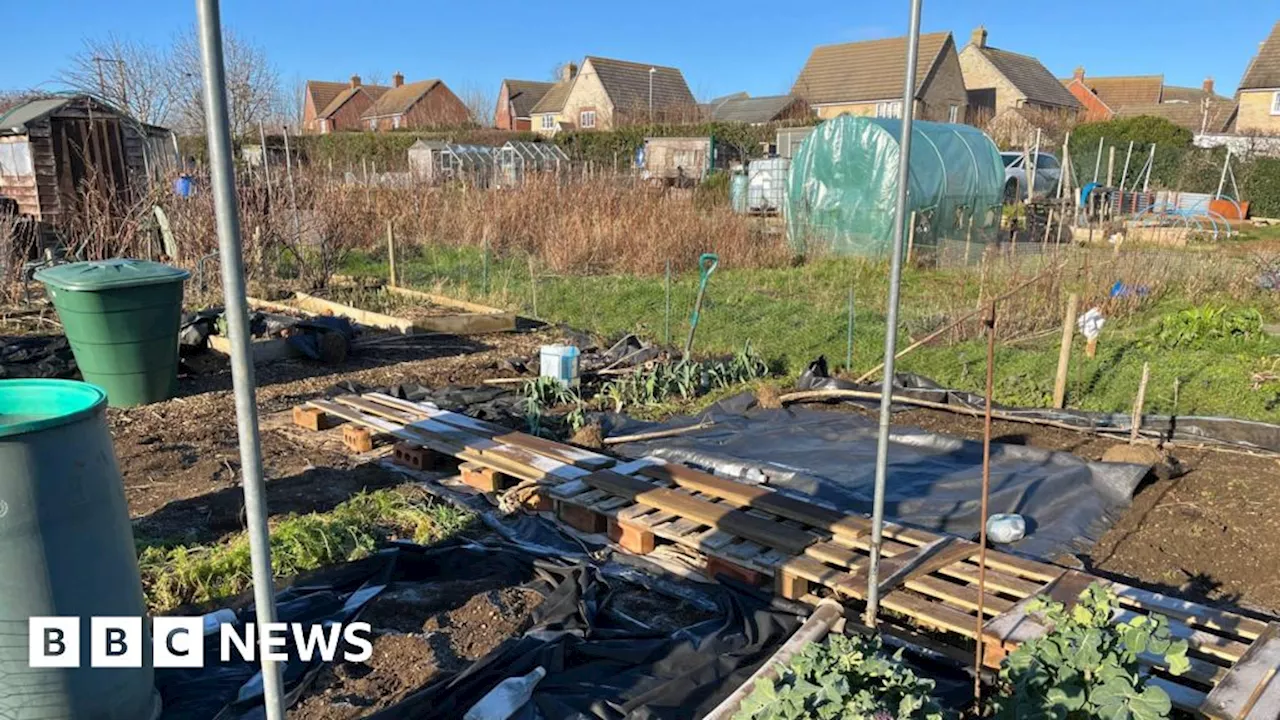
391 257
990 322
533 284
1136 424
911 236
968 240
1111 165
1064 351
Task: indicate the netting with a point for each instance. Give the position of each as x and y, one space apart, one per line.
843 183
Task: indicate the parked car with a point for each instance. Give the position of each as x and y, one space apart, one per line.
1048 171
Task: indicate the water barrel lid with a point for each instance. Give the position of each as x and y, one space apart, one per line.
29 405
109 274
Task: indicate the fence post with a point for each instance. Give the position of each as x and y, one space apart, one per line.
666 324
1064 351
911 241
848 351
391 257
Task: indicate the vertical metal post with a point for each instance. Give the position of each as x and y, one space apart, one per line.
266 165
1222 181
222 175
293 195
979 620
666 323
891 323
1097 163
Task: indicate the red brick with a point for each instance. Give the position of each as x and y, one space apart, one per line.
538 501
631 537
716 566
357 439
416 456
580 518
310 418
484 479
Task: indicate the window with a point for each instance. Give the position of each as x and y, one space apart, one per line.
373 123
953 113
889 109
324 125
548 122
1275 103
587 119
15 159
395 122
1046 162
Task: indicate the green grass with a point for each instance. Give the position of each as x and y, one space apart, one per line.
794 314
177 575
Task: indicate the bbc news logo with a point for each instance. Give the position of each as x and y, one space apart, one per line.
179 642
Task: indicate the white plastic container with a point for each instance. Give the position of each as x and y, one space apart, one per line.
1005 528
561 363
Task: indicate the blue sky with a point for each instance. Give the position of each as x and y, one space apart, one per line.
722 47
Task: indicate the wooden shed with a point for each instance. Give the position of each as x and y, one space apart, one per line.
52 148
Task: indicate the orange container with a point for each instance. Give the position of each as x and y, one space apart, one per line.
1229 209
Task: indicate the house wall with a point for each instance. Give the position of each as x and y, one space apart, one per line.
347 117
438 108
535 124
588 93
943 88
1255 115
503 117
1094 108
826 112
309 111
979 74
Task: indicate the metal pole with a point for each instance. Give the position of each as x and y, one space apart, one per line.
293 194
891 326
1097 163
1222 181
222 175
990 322
266 166
666 323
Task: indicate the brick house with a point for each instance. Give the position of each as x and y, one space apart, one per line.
422 104
996 80
516 99
1197 109
334 107
865 78
1259 93
606 93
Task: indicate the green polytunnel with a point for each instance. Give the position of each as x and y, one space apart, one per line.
842 186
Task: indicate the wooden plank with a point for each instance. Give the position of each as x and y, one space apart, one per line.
835 554
933 614
568 489
966 596
765 532
1191 613
745 550
382 411
262 351
467 323
996 580
320 306
814 571
1199 640
1183 697
611 504
588 497
926 559
445 301
714 539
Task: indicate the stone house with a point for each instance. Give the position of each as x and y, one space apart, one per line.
865 78
605 94
1259 92
996 80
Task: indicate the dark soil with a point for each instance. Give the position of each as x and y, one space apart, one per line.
1206 536
418 634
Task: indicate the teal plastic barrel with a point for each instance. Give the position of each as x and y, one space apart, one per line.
122 319
66 549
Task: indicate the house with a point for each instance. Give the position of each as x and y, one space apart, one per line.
865 78
422 104
996 80
1259 92
516 99
1197 109
335 107
1103 96
605 94
742 108
51 148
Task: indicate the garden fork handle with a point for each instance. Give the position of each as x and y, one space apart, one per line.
707 263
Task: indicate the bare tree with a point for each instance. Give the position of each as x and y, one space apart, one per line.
480 102
133 76
254 92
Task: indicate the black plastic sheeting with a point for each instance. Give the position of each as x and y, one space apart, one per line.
934 480
1184 428
599 665
36 356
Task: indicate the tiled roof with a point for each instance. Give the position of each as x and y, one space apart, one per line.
553 100
1176 94
1190 115
1264 70
524 94
1030 77
323 92
398 100
863 71
373 91
627 84
1119 91
751 110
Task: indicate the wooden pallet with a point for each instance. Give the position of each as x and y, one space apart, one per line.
760 535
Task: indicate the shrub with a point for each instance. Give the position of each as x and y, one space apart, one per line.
1087 667
843 678
1141 130
1196 328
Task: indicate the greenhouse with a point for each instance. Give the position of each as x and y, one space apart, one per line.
843 183
517 159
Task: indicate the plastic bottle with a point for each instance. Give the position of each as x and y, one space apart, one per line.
1006 528
507 697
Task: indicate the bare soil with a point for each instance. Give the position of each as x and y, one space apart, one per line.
1208 535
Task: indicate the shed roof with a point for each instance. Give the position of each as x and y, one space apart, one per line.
627 83
1121 90
16 118
1030 77
752 110
552 101
524 94
1263 72
373 91
869 70
398 100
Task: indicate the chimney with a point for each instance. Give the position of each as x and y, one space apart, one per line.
397 80
355 81
979 37
568 72
1079 73
1208 85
